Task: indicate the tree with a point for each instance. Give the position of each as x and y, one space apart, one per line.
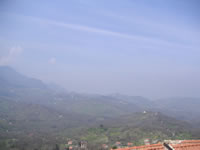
114 147
101 126
56 147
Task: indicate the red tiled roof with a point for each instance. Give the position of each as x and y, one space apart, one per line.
186 145
145 147
129 143
175 145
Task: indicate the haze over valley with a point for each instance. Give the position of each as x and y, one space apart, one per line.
99 74
32 110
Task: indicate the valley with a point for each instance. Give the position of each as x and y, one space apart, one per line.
35 116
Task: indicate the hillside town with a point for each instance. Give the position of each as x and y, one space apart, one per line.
165 145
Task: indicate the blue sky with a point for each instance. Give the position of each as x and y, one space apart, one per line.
136 47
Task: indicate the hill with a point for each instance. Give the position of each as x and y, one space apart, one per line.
137 127
35 126
36 115
184 108
17 87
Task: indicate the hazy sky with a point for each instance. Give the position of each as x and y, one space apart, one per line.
137 47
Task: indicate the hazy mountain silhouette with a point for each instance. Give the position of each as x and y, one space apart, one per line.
17 87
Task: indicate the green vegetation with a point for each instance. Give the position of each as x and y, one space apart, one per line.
38 127
36 117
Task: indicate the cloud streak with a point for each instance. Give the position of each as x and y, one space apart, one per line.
101 31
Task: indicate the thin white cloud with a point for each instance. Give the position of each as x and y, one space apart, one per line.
11 56
52 60
100 31
180 31
144 40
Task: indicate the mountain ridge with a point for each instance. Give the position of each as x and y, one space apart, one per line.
21 88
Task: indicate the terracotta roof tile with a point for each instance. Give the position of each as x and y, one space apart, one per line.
176 145
187 145
145 147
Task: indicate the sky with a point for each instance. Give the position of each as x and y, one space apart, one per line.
149 48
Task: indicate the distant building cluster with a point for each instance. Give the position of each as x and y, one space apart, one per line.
165 145
74 145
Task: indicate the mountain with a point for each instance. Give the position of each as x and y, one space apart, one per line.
34 115
29 126
21 88
136 128
142 102
19 116
186 108
94 105
17 87
9 78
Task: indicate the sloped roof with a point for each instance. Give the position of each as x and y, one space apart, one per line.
145 147
186 145
171 144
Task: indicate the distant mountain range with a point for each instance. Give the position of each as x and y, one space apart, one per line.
15 86
28 105
9 78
